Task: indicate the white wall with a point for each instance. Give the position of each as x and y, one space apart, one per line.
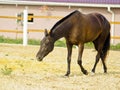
42 23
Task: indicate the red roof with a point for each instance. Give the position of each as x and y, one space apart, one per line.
82 1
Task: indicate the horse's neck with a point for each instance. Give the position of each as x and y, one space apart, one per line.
60 32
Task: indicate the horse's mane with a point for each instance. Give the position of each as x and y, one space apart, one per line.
62 20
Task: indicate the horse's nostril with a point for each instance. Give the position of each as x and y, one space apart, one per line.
39 58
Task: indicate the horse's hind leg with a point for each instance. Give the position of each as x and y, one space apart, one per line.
98 56
102 45
96 61
81 47
98 47
103 61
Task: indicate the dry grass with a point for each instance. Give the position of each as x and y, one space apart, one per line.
29 74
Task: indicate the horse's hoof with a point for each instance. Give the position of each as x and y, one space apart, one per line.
92 73
85 72
105 72
93 70
66 75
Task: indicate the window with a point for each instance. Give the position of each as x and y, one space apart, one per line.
19 18
30 19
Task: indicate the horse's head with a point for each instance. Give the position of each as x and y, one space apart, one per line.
47 45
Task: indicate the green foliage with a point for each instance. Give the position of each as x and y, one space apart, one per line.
33 42
18 41
58 43
89 45
115 47
6 70
9 40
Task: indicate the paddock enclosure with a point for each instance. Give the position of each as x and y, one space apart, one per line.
42 15
29 74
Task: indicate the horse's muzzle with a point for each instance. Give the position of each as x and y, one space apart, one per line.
39 58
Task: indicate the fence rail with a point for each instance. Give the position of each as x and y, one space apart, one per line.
29 17
35 30
52 17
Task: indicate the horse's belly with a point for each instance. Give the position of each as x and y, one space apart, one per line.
83 37
91 38
80 39
76 40
73 41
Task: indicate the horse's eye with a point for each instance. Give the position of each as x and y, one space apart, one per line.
45 44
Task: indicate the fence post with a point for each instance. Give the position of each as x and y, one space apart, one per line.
25 20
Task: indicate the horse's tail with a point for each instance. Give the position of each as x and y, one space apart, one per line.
106 46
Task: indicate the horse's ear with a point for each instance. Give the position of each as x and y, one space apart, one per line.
46 32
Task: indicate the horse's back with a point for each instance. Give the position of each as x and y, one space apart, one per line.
87 27
101 19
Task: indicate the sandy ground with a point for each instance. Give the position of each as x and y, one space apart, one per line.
29 74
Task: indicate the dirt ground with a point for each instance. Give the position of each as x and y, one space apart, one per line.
29 74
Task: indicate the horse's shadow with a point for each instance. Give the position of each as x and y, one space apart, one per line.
93 74
113 72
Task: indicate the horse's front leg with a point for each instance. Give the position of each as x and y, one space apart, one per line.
69 49
80 52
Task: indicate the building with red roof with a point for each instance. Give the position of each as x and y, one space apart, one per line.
47 12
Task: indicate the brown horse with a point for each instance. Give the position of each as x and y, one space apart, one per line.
77 29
